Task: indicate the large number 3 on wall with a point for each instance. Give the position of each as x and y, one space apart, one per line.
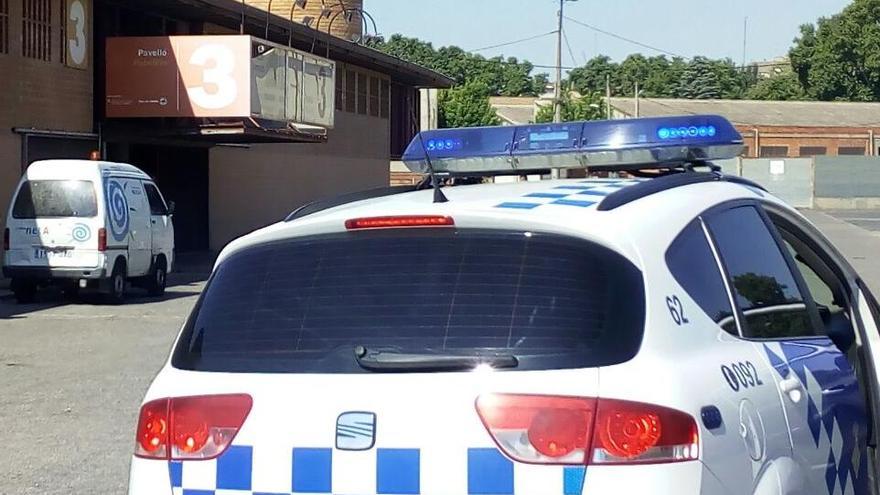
76 46
219 89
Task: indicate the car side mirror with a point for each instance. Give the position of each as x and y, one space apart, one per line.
838 328
171 207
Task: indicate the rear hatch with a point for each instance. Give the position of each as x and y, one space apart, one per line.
435 361
55 223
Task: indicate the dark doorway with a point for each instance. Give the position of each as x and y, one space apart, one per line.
182 175
39 147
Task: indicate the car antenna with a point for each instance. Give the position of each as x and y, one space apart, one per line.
439 197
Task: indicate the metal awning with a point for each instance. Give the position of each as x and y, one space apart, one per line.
210 133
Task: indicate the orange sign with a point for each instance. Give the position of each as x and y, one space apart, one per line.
179 76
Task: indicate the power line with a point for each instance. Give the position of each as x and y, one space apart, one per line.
622 38
530 38
568 45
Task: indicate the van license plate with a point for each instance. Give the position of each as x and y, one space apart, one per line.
42 253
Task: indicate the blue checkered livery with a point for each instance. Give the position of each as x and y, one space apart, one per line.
398 471
581 194
833 410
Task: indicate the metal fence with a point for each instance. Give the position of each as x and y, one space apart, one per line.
820 182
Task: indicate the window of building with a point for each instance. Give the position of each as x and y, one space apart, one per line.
385 99
774 151
350 87
340 90
694 266
63 33
4 26
851 151
764 286
374 96
362 93
813 150
36 36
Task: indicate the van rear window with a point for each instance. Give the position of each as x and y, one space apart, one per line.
304 305
55 198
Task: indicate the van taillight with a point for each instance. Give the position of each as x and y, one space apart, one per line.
190 428
6 239
102 239
541 429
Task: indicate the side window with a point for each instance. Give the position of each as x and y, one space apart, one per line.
764 286
157 205
695 268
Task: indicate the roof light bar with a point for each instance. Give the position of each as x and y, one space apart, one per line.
598 145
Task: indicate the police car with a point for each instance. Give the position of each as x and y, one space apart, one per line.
684 333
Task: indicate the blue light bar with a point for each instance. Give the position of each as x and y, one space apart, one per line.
600 145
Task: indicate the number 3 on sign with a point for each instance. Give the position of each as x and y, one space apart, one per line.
218 63
76 46
676 310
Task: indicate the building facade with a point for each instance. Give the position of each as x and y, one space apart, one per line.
780 129
53 105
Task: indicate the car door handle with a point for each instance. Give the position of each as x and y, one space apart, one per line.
153 222
792 388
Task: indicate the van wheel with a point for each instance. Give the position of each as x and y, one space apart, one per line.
117 285
25 292
158 279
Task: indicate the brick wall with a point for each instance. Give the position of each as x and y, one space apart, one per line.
39 94
832 139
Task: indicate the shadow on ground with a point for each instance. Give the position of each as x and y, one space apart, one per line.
192 270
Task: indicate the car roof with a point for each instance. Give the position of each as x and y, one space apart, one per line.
567 207
65 169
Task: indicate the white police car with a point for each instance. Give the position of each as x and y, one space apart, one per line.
688 333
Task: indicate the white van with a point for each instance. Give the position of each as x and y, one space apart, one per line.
87 225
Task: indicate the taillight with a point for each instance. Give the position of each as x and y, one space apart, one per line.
574 430
399 222
189 428
539 429
102 239
6 239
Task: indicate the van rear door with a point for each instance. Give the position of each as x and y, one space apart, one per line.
55 223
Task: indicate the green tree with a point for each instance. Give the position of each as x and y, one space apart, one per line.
591 77
587 107
502 77
700 81
466 106
839 57
782 87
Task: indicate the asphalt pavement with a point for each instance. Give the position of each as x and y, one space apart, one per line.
72 375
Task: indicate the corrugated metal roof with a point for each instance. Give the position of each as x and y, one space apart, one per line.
761 113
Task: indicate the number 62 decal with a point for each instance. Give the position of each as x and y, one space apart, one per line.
676 310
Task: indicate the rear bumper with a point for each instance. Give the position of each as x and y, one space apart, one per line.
47 273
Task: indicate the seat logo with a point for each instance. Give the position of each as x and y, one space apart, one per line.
356 431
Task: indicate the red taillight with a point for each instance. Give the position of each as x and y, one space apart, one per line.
574 430
187 428
628 432
399 222
6 239
102 239
539 429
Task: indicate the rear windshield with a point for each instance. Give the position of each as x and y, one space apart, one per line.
55 198
303 306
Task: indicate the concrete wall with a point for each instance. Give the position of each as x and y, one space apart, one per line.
253 187
39 94
830 182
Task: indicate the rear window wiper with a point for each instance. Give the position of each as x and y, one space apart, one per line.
390 361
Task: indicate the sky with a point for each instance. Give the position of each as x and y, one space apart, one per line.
713 28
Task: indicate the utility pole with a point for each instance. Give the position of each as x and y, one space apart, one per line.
608 96
557 97
745 39
637 100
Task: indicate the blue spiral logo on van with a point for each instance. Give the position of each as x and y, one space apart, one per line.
81 232
117 206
